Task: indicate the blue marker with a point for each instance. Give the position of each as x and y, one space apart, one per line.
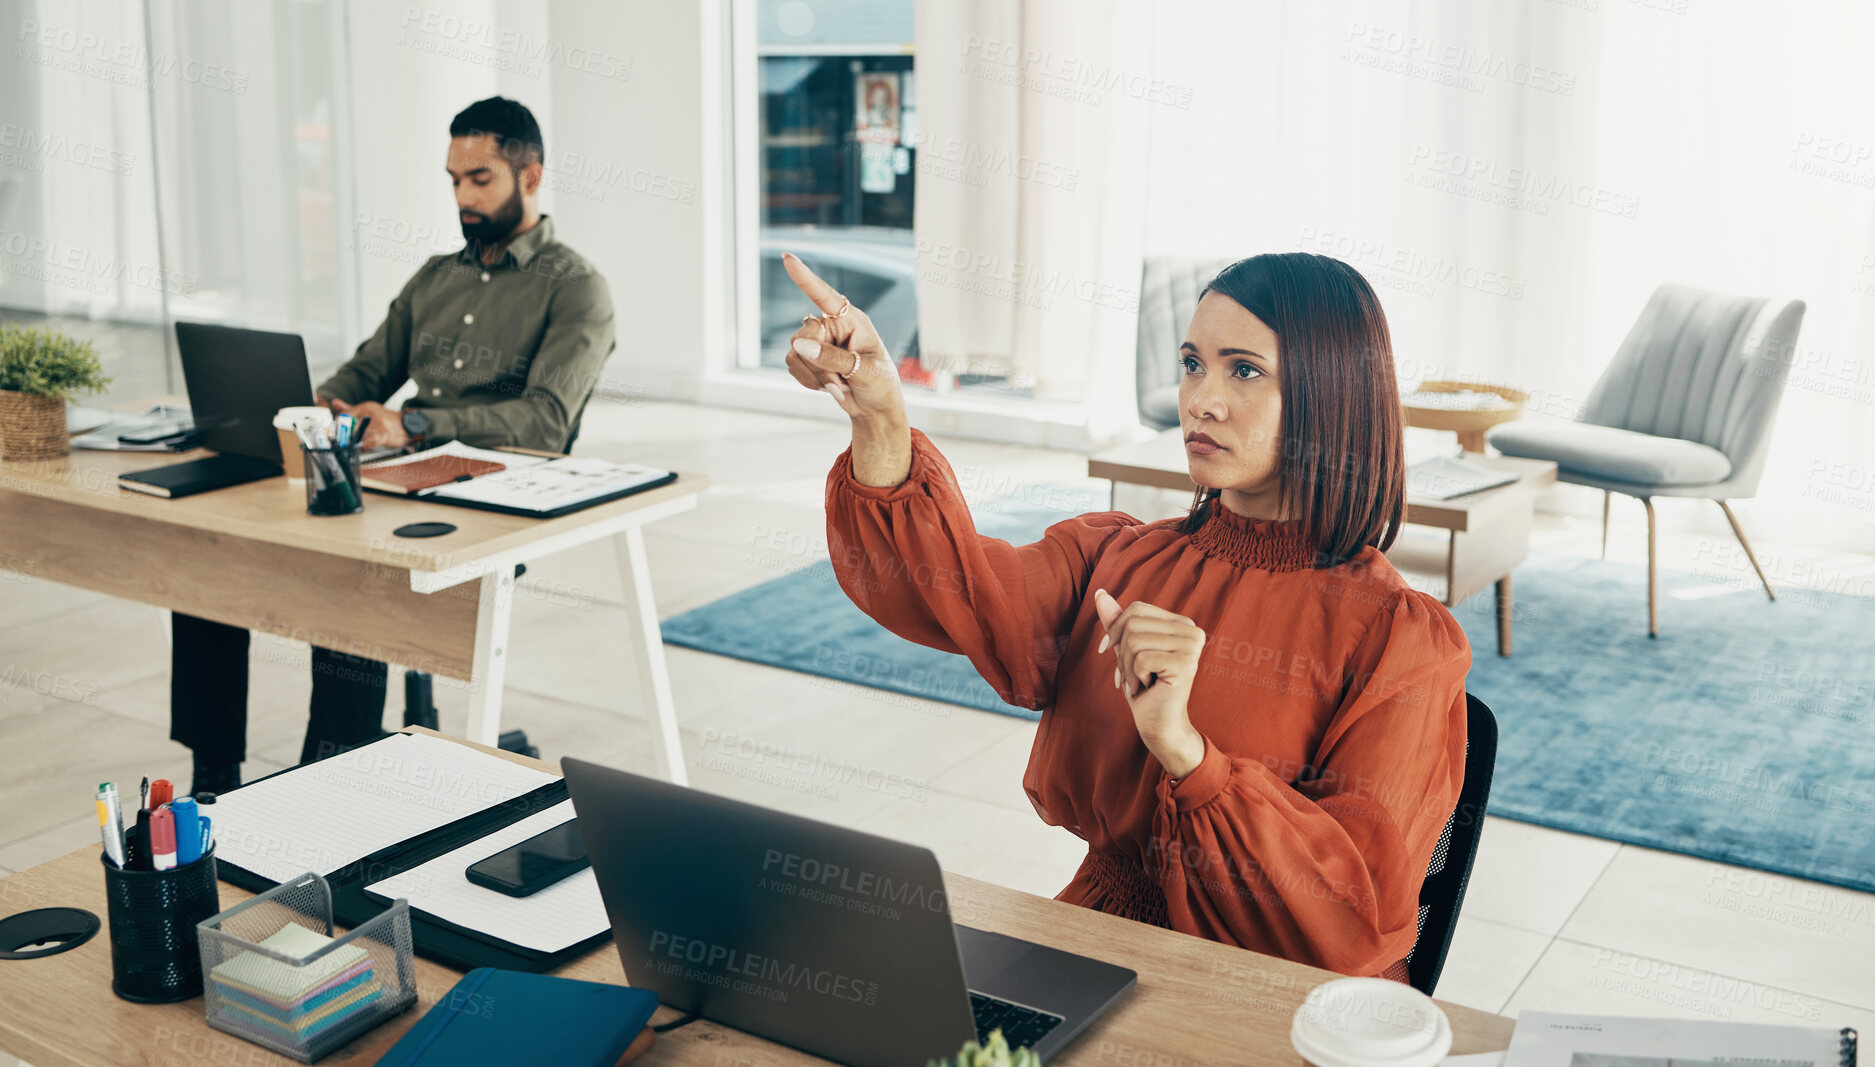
188 830
208 833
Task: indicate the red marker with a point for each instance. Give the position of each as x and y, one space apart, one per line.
161 793
162 839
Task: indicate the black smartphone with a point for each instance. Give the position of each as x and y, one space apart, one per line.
534 864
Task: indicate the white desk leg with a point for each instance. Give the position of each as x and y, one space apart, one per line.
491 656
647 645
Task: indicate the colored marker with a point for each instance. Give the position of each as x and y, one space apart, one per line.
111 822
208 834
188 830
162 840
139 846
161 793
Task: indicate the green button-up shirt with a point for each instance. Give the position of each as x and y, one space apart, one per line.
502 355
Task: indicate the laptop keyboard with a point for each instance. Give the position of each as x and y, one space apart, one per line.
1021 1026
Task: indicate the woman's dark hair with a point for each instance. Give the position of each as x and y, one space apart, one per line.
1342 468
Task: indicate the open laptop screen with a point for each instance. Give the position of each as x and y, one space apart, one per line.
237 379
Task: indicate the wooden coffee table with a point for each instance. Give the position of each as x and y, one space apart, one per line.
1485 535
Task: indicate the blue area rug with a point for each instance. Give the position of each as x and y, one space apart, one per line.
1745 733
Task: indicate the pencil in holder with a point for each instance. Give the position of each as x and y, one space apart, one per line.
276 975
153 917
334 484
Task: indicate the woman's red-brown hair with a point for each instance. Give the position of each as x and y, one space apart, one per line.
1343 468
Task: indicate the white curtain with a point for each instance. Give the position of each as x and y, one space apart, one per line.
77 205
1514 178
1032 119
214 126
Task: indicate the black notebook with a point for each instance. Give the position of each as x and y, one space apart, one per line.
199 475
384 810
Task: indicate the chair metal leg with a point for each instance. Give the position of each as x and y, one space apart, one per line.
1653 572
1746 545
1607 496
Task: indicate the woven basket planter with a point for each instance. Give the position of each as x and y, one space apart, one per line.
32 426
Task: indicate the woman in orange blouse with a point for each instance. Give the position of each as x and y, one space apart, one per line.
1255 725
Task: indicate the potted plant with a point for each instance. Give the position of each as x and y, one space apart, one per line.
994 1054
39 371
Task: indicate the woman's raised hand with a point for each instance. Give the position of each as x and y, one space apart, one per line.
824 359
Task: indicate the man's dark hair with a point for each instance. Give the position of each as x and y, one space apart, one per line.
517 135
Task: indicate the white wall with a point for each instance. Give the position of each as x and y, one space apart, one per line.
633 114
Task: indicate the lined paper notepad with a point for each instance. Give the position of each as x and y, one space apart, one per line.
565 913
325 815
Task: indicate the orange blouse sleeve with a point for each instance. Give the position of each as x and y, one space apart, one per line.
1324 864
909 556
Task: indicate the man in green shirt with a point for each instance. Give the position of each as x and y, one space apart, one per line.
504 341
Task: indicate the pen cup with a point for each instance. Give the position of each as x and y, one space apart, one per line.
153 916
333 484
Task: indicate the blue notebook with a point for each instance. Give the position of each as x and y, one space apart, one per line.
493 1016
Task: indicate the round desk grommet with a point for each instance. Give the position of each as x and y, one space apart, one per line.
425 529
60 929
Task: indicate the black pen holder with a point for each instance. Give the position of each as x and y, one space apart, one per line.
333 482
152 917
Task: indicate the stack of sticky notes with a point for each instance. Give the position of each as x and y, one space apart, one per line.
282 1002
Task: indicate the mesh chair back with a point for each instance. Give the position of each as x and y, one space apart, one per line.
1450 870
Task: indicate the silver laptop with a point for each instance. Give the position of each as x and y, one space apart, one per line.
833 941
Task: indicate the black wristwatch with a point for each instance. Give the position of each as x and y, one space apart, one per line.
416 424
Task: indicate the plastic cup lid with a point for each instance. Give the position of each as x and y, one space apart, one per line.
287 418
1370 1022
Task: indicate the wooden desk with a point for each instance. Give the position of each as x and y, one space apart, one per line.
1197 1001
250 556
1488 533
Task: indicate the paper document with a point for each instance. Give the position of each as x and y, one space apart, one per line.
553 484
167 417
324 815
1545 1039
1445 477
565 913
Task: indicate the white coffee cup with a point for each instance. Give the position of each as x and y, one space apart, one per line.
1370 1022
287 421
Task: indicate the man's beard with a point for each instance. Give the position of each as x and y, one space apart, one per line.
493 229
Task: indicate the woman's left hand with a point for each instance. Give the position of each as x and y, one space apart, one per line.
1158 653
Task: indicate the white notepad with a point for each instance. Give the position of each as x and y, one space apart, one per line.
324 815
565 913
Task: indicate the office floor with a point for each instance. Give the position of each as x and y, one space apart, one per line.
1554 921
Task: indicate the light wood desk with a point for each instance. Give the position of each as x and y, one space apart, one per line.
1197 1001
251 556
1487 533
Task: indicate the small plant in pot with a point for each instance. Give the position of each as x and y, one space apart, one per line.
993 1053
39 371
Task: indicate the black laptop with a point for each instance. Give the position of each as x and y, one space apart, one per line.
237 379
831 940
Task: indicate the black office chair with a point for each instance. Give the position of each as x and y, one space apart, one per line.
1450 869
419 687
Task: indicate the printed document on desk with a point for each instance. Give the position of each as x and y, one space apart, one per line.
322 816
551 488
1546 1039
557 917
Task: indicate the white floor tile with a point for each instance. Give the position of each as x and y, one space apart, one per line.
1575 978
1776 930
1532 877
984 841
1486 962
